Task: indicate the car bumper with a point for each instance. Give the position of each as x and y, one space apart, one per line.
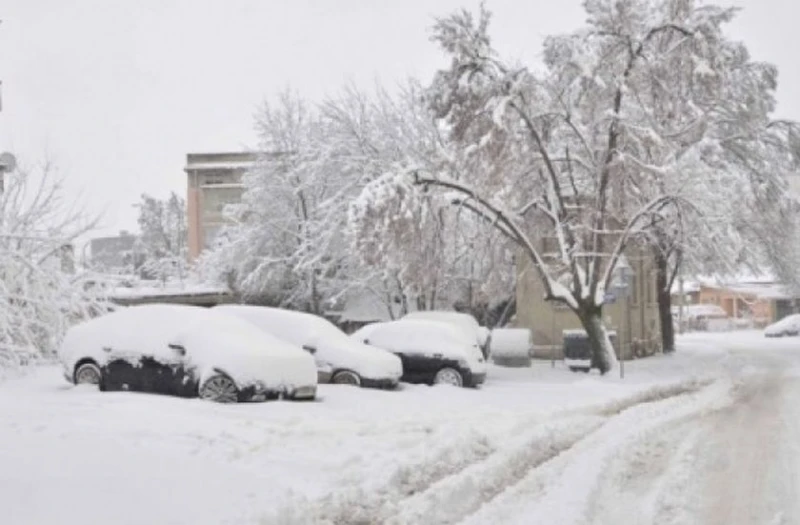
255 394
303 393
384 383
477 379
324 375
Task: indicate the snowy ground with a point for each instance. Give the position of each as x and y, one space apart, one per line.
708 435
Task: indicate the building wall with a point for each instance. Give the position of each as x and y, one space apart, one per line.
214 180
546 320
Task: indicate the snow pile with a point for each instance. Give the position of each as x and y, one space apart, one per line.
333 348
789 325
511 342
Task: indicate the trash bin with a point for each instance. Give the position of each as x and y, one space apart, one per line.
578 351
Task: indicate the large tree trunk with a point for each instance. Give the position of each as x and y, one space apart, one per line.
664 298
603 356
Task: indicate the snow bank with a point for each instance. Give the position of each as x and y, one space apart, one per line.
333 348
510 342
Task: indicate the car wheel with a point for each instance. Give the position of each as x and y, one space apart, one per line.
448 376
346 377
88 374
219 388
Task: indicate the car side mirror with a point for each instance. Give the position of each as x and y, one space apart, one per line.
310 349
180 349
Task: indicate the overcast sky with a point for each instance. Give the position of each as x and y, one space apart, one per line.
117 92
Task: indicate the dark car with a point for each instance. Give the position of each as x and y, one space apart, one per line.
432 352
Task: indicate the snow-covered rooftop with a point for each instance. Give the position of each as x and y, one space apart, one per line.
156 289
226 165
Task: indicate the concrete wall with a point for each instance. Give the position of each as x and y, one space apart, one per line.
547 320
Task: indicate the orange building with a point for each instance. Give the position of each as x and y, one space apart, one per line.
762 302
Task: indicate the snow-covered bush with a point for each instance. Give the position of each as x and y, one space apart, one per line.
41 291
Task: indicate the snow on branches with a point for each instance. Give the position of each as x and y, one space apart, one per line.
648 123
41 291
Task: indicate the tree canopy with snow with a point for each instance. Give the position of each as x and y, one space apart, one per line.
290 242
645 117
41 291
163 242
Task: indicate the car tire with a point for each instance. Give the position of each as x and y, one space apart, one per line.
346 377
88 374
448 376
220 389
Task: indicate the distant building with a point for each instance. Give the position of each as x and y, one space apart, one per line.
214 181
759 299
114 254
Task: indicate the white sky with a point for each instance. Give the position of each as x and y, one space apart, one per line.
117 92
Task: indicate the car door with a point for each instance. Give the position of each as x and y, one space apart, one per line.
152 370
165 371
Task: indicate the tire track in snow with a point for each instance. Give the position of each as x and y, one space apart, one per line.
466 473
367 505
457 496
561 490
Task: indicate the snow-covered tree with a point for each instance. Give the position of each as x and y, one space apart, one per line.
440 256
41 292
290 243
162 246
629 127
287 242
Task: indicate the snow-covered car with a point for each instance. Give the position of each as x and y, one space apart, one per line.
185 351
465 322
340 359
432 352
788 326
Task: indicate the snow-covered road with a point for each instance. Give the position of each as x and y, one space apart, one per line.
709 435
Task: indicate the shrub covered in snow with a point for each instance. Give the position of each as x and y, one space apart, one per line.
41 291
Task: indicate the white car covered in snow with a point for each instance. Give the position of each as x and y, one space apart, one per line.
340 359
432 352
788 326
185 351
465 322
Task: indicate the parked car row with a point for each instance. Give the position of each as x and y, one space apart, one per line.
236 353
